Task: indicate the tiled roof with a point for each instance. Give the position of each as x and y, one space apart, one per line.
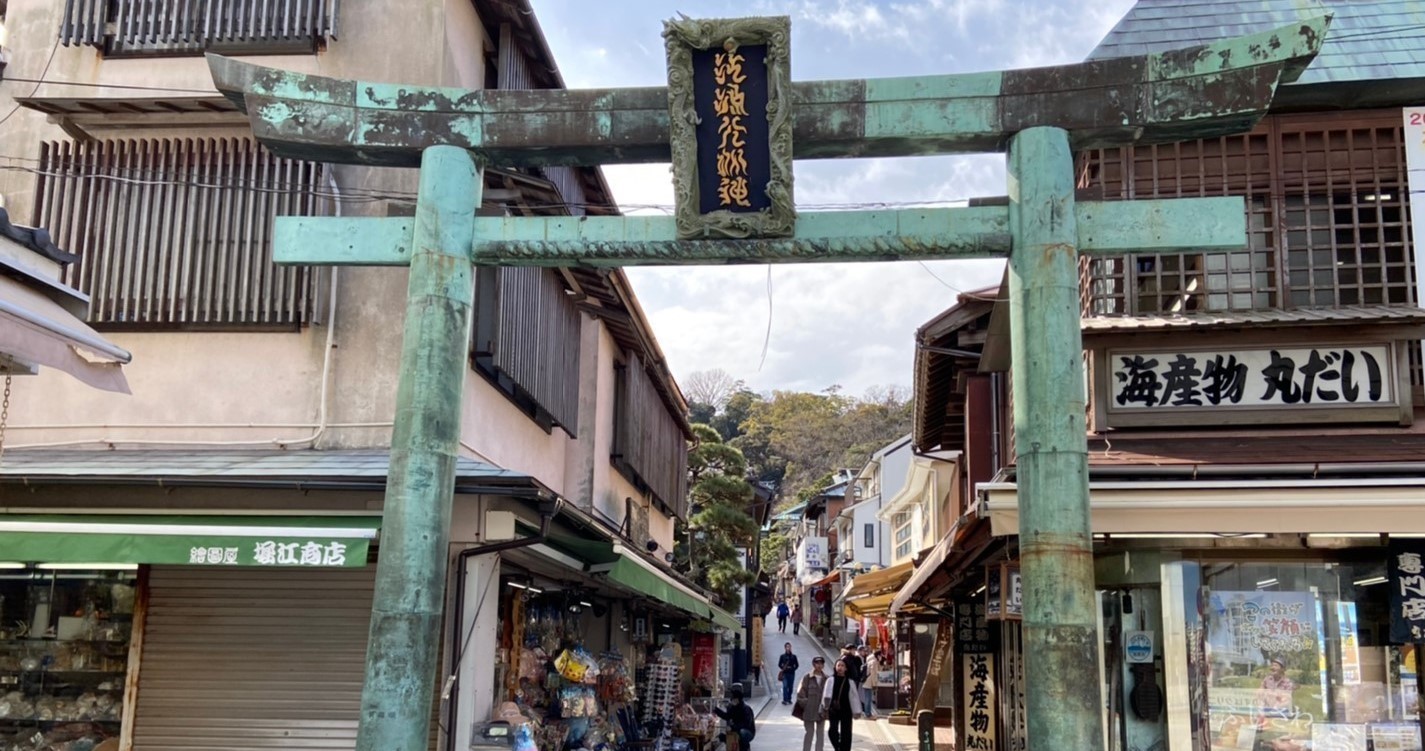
224 467
1344 315
1369 40
35 239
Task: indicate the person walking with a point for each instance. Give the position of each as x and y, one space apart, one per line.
841 703
787 672
740 718
854 665
871 682
782 612
809 699
797 618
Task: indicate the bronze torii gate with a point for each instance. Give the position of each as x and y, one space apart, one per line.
1038 116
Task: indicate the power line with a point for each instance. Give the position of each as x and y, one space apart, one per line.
54 48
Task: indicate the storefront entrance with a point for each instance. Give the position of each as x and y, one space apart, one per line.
1295 655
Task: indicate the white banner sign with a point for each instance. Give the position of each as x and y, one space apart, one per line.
811 557
1258 378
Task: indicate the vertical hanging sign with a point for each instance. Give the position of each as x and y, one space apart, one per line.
1406 575
979 702
730 121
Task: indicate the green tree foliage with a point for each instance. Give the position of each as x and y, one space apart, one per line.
799 437
718 523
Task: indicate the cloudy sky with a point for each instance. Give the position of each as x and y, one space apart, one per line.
847 325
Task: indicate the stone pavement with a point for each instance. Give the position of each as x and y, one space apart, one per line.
902 737
777 729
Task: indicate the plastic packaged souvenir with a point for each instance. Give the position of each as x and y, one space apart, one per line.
524 739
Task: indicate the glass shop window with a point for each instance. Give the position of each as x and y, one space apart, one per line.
1295 656
64 654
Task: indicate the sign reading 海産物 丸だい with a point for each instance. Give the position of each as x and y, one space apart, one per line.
1290 383
729 100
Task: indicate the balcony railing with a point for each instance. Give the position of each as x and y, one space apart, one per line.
191 27
177 232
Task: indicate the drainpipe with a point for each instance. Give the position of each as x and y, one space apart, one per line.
548 509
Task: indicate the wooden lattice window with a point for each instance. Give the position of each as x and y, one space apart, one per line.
526 341
186 27
177 232
1327 220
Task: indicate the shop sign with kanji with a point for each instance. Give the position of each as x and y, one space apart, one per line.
979 698
1406 574
1291 384
730 122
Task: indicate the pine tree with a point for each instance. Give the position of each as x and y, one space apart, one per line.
718 522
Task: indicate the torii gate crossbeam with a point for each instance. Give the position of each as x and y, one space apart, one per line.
1038 117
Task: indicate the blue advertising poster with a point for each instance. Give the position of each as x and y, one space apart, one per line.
1264 653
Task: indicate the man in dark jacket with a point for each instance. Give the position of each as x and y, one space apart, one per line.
739 718
787 666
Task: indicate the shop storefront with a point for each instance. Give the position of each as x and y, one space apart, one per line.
614 655
1299 652
167 632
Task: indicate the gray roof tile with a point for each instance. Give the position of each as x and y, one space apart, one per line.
1369 39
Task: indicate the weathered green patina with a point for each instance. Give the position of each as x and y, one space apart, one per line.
402 653
1051 455
1105 227
1039 116
1216 89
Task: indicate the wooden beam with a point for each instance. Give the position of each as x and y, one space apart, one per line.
1108 227
1215 89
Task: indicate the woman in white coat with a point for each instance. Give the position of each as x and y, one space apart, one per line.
840 703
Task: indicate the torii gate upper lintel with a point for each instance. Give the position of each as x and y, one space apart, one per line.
1039 117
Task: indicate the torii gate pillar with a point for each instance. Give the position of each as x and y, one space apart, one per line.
1055 542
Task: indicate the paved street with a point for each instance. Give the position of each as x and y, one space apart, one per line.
777 730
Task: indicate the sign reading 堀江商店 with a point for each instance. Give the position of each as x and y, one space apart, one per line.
729 100
1293 383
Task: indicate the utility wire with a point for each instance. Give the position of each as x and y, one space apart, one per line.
54 48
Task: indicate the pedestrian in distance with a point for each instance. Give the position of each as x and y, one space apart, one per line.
841 702
809 703
787 666
797 618
854 665
740 719
782 612
871 682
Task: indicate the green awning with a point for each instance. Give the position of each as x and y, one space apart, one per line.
633 576
289 541
724 619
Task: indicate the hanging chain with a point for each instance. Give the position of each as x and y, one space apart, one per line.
4 415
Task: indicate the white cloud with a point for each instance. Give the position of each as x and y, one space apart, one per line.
850 324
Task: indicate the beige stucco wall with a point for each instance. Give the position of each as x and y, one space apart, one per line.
262 387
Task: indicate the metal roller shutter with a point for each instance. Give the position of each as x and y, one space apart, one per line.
252 659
